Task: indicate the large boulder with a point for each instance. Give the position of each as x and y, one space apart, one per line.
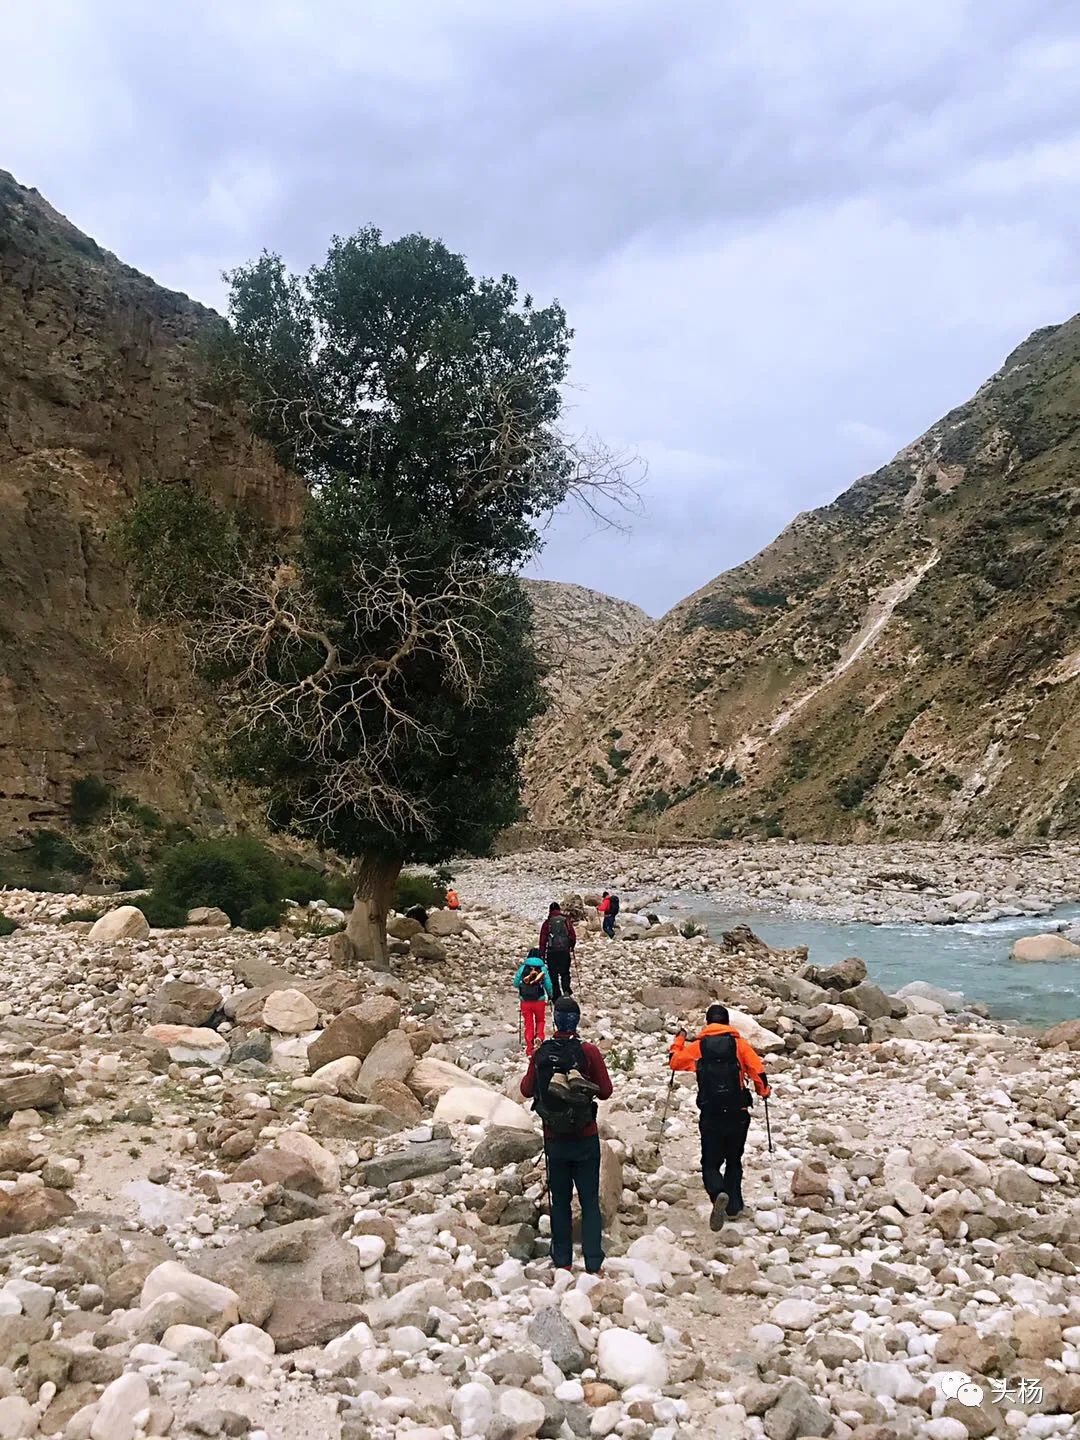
180 1002
679 1000
289 1012
356 1031
950 1000
473 1104
391 1058
190 1044
1036 947
275 1166
209 915
445 922
626 1358
126 922
426 947
339 1119
761 1039
505 1145
429 1157
841 976
403 927
23 1211
1066 1034
431 1078
41 1090
872 1001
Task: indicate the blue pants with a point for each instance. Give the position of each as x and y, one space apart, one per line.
609 926
575 1163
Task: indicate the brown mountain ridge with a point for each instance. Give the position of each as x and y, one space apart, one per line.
904 661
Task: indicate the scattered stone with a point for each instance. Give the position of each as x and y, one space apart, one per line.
126 922
289 1012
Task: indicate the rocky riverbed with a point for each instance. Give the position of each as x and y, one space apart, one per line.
921 882
246 1189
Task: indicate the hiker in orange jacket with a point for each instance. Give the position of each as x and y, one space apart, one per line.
726 1066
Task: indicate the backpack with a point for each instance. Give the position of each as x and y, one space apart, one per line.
613 908
558 935
532 984
561 1117
719 1078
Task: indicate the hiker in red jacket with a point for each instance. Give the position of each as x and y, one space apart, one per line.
565 1078
558 938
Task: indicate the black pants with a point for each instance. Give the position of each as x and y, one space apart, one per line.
723 1139
559 970
575 1164
609 926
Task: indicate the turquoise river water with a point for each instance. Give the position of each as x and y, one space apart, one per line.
971 958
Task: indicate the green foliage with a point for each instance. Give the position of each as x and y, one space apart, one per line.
766 598
599 774
689 929
179 548
419 889
51 850
617 760
621 1060
654 804
90 797
725 778
723 831
236 873
720 612
82 912
1043 826
7 925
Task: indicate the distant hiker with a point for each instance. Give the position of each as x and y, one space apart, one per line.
557 941
725 1066
533 984
452 901
565 1078
603 908
609 916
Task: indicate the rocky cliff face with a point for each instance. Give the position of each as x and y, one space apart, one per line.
904 661
99 393
583 635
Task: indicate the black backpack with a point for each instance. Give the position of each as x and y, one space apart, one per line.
558 935
567 1116
532 984
613 908
719 1078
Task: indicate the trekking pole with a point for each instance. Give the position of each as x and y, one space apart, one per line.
663 1117
768 1127
519 1027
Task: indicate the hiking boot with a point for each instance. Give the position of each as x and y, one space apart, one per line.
572 1083
719 1211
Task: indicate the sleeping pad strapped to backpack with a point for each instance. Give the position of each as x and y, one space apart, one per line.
532 984
569 1115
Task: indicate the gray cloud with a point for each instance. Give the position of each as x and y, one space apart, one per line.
789 236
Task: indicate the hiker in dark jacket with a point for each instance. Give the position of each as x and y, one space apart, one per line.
558 939
565 1078
726 1066
533 984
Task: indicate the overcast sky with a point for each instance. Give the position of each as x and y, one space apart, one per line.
789 235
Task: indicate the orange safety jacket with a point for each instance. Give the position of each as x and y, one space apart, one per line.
452 901
685 1055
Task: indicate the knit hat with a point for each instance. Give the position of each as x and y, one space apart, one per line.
567 1013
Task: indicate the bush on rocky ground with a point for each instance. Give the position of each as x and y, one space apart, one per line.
7 925
425 890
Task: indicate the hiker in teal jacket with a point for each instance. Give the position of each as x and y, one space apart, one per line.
533 984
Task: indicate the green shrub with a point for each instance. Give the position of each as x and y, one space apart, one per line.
163 914
50 850
420 889
690 928
7 925
236 873
82 912
90 798
724 831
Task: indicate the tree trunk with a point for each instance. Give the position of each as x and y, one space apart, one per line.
374 879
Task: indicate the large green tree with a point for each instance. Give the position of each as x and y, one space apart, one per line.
377 673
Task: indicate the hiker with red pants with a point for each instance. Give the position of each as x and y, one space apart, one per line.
565 1078
557 941
533 984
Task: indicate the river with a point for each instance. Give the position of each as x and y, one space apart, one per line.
972 958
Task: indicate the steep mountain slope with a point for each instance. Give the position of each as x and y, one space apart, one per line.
582 634
99 392
903 661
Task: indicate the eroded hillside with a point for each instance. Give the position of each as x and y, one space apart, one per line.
99 392
903 661
583 635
